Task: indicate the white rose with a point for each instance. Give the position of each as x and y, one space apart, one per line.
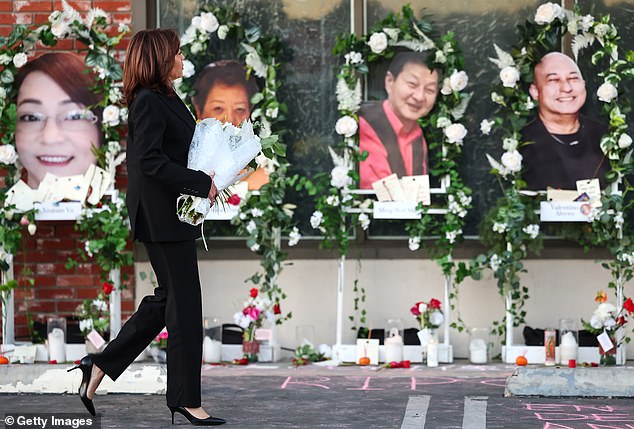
59 29
364 221
446 87
509 144
19 59
196 22
547 13
223 30
455 133
316 218
272 112
4 59
188 68
332 200
111 115
294 237
486 126
436 318
458 80
208 22
378 42
512 160
624 141
414 243
509 76
346 126
440 57
353 57
607 92
339 177
443 122
8 154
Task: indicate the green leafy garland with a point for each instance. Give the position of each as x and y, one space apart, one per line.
93 31
264 217
511 228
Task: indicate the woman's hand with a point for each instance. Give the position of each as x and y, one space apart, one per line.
213 191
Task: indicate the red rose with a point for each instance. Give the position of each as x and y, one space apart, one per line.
415 310
277 309
253 292
107 287
620 320
52 361
405 364
628 305
233 200
434 303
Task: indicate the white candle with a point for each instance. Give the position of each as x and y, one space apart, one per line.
567 348
393 352
56 345
212 350
478 351
432 352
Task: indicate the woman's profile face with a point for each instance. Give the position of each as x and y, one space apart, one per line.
227 104
53 133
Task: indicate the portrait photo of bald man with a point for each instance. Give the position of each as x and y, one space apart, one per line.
563 145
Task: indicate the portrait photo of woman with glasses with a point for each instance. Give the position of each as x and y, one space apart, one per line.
57 126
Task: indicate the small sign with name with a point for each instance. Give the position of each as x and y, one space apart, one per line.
69 210
395 210
565 211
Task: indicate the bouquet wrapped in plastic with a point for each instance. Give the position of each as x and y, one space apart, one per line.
224 149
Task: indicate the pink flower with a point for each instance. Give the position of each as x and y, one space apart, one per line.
162 335
253 312
233 200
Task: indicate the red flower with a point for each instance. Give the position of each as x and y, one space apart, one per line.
628 305
233 200
405 364
277 309
107 287
621 320
253 292
52 361
434 303
415 310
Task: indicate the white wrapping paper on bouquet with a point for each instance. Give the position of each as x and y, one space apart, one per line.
222 148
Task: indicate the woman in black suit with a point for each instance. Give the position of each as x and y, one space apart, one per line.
160 129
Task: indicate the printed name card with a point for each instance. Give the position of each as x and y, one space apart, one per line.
395 210
565 211
58 211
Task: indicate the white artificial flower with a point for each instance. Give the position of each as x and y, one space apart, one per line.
254 61
605 310
532 230
208 22
452 235
414 243
364 221
339 177
242 216
436 318
486 126
114 147
294 236
596 322
19 59
87 249
586 23
455 133
348 99
378 42
188 69
332 200
512 160
85 325
530 105
497 98
3 93
499 227
272 112
547 13
223 30
123 27
509 144
607 92
4 59
254 247
251 227
114 94
111 115
32 228
123 114
495 262
256 212
8 154
94 14
443 122
440 57
509 76
196 47
458 80
625 141
316 219
346 126
60 29
601 29
353 57
446 87
265 129
100 304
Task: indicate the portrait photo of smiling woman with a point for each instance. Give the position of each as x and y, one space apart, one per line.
56 127
389 130
563 145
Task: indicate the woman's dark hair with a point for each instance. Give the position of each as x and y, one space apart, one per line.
223 72
69 71
149 60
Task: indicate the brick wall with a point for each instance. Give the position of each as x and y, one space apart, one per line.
58 291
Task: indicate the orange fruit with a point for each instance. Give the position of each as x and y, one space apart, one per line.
3 360
364 361
521 360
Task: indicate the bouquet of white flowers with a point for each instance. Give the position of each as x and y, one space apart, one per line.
224 149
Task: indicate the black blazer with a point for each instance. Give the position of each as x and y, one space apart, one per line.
160 129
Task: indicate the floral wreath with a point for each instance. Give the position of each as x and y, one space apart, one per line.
93 32
335 204
263 216
511 228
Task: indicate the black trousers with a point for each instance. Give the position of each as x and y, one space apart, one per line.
176 304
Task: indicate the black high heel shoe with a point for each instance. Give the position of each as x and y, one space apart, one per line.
209 421
86 370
